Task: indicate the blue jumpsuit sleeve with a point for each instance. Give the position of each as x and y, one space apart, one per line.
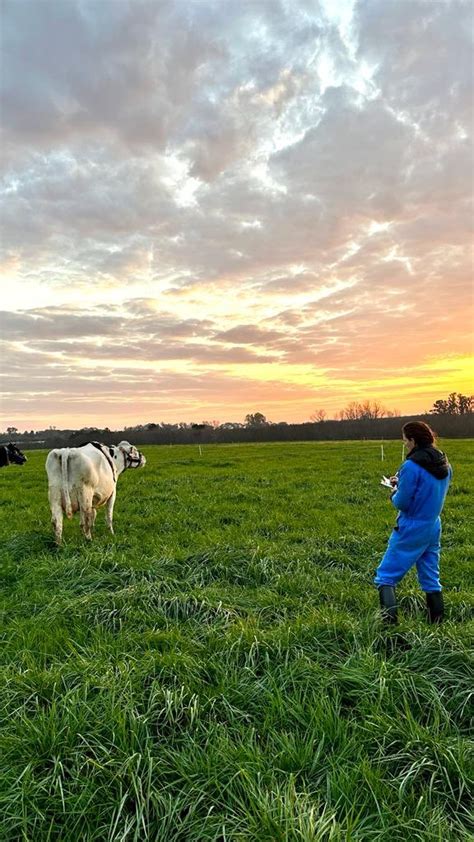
406 487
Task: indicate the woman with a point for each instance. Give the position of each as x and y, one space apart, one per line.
420 491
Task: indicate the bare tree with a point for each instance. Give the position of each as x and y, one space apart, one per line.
354 411
351 412
318 416
372 409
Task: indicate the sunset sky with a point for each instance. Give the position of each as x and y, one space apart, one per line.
215 207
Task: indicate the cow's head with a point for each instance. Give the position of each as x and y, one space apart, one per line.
15 456
132 457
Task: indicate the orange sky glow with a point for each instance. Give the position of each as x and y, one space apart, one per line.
234 207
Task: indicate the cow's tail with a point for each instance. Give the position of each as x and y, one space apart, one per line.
65 485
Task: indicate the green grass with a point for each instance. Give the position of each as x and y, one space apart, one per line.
217 669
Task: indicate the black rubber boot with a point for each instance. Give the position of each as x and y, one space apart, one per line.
388 604
435 605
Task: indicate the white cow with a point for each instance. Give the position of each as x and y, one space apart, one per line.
85 478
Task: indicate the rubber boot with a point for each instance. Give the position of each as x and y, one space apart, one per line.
388 604
435 605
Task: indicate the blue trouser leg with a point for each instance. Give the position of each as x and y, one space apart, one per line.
427 565
411 542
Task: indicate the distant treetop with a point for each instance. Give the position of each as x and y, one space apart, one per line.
455 404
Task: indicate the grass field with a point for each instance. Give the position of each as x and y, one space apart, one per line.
217 669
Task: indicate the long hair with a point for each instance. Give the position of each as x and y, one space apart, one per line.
421 433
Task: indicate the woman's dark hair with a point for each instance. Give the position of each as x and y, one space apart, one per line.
421 433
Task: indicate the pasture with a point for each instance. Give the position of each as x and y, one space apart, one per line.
217 670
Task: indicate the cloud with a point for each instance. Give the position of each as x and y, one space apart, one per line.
55 324
411 46
249 335
210 187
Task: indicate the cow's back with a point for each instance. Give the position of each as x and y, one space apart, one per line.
87 471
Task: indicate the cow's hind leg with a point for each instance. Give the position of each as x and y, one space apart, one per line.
110 512
87 516
56 515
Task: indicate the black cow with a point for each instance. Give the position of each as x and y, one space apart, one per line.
11 455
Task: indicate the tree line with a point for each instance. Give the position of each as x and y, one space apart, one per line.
453 417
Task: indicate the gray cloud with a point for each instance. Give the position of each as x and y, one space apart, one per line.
249 335
416 68
354 161
145 74
56 324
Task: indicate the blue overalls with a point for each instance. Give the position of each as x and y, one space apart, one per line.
416 537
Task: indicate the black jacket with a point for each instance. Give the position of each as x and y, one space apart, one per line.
431 459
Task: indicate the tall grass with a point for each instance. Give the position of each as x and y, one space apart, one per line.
217 669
